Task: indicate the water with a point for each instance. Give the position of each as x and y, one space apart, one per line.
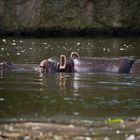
63 97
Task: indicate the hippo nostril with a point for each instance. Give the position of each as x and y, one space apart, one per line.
43 67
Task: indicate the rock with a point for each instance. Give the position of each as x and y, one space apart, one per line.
67 16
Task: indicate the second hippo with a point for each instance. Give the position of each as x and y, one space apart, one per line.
97 64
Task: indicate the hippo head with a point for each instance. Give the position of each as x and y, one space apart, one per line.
43 66
65 65
50 65
58 65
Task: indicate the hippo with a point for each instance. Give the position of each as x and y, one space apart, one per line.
42 67
8 66
50 65
91 64
65 65
54 64
75 63
97 64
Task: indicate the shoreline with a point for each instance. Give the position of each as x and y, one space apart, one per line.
55 131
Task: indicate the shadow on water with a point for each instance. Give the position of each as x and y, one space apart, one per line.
61 97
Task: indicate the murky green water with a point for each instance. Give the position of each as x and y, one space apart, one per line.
28 96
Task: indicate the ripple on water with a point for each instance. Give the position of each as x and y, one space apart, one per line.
109 83
119 83
19 81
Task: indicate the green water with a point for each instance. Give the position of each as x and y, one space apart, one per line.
28 96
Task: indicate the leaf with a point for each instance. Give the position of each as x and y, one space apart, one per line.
111 121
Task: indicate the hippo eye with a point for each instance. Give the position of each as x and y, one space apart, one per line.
43 67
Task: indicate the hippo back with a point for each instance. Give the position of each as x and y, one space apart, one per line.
8 66
24 67
96 64
135 67
53 64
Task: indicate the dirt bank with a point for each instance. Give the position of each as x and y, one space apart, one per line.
127 130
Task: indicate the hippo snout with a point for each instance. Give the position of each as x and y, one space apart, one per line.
43 66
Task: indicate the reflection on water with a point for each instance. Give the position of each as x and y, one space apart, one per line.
30 96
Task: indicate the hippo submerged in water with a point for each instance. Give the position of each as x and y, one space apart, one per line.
55 64
8 66
75 63
97 64
51 65
87 64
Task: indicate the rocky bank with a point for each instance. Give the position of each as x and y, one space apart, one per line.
53 17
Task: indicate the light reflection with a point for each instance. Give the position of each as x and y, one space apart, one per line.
1 99
1 75
78 82
20 41
2 49
4 40
62 81
13 44
18 53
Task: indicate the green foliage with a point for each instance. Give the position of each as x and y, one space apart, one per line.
111 121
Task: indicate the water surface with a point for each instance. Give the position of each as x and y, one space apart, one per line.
62 96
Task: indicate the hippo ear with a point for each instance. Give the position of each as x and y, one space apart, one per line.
63 61
74 55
